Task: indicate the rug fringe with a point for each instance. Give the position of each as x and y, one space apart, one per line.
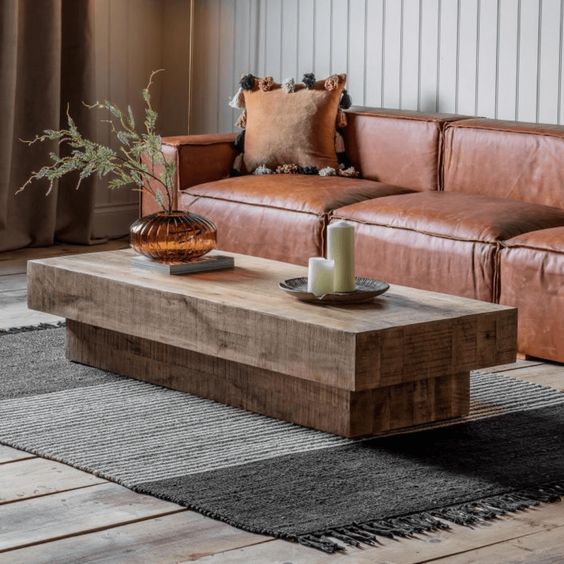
467 514
27 328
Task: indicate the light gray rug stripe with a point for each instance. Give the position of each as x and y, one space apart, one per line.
133 432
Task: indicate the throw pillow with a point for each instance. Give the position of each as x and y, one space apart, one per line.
290 127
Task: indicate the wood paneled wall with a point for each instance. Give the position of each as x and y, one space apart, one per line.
493 58
131 39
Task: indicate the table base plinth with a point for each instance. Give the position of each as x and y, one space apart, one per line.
335 410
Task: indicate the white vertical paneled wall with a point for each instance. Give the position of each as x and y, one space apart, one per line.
493 58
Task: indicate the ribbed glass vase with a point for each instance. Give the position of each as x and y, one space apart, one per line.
173 237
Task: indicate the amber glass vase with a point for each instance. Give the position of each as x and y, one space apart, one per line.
173 237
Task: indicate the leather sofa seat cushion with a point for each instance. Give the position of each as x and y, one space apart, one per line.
532 279
296 192
440 241
282 217
543 240
467 217
504 159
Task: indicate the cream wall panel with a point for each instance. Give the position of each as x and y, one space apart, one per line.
356 51
392 54
508 33
374 53
494 58
550 38
306 47
528 56
487 58
467 58
429 46
411 68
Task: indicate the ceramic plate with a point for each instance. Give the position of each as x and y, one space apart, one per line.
366 290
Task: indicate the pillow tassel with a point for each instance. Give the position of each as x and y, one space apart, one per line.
265 83
247 82
339 143
242 120
237 165
309 80
328 171
239 142
350 172
346 100
288 168
262 170
238 101
289 85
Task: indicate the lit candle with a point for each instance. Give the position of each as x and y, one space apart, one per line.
340 249
320 276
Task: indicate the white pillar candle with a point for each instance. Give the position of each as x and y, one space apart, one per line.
340 249
320 276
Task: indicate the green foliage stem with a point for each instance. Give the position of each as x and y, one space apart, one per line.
123 166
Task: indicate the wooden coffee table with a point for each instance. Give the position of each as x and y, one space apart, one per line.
234 337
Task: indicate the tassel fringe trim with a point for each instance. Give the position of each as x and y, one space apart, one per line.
466 514
28 328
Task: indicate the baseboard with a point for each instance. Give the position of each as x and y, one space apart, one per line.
113 221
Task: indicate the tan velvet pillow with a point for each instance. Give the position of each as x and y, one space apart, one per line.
285 127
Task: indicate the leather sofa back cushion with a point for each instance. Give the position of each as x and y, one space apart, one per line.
504 159
292 128
396 147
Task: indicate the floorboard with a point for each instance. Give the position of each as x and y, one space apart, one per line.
547 374
545 547
37 477
185 536
60 515
8 454
50 512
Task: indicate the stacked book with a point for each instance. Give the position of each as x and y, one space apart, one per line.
202 264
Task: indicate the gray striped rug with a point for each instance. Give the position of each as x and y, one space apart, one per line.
273 477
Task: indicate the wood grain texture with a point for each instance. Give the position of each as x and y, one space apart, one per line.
540 548
102 545
78 511
546 373
184 536
38 477
331 409
15 262
241 316
8 454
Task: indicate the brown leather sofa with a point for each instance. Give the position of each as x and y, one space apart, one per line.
467 206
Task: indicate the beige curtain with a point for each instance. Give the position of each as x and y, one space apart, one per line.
46 61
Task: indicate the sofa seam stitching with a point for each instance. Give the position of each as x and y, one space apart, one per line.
531 248
429 233
235 202
456 125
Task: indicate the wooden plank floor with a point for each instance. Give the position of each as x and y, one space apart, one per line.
52 513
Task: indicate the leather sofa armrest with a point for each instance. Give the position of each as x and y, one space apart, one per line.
199 159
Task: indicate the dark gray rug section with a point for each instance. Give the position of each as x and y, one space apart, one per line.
272 477
30 364
328 490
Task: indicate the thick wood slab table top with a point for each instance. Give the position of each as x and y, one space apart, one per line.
406 337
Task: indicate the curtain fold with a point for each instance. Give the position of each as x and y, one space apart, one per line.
46 63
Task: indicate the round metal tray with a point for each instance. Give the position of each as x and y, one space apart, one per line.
366 290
